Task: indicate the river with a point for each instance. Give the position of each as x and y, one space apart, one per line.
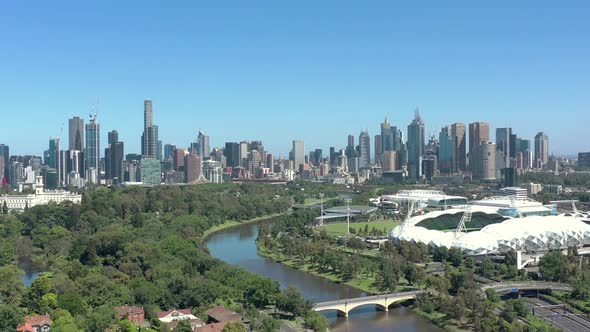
237 246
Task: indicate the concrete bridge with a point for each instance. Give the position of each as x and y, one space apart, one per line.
526 285
381 302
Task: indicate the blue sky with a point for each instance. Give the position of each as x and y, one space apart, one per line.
283 70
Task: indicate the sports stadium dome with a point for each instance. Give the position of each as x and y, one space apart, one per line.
529 234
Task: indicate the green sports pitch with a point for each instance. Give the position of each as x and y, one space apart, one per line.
340 228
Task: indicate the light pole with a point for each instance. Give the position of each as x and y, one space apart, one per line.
348 215
321 209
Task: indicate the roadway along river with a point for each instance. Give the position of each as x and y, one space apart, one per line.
237 246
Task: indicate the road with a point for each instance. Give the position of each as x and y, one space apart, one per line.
564 323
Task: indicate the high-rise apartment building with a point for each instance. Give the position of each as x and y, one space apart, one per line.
149 138
541 149
415 146
192 167
298 152
484 166
365 150
92 150
76 133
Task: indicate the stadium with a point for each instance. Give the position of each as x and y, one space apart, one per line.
501 224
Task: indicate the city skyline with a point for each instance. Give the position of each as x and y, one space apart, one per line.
248 82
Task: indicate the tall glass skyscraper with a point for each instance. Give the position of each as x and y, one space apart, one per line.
415 146
76 134
149 139
92 151
365 150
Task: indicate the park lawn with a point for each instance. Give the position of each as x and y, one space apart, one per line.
232 223
341 228
311 201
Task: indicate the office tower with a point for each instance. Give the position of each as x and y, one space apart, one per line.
269 161
387 136
51 155
159 154
389 161
458 132
479 133
202 145
113 137
429 166
254 161
150 172
541 149
192 167
149 138
317 156
298 153
16 174
92 150
5 153
258 146
484 156
447 152
350 141
583 160
76 131
115 162
415 146
178 159
232 154
3 180
365 150
527 155
333 156
168 151
213 172
75 162
503 147
378 149
244 149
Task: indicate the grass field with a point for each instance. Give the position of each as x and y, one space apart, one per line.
311 201
340 228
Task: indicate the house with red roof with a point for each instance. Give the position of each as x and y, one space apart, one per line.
39 323
131 313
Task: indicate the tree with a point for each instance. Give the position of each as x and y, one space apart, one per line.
581 286
4 208
316 321
10 317
231 327
269 325
63 322
455 256
492 295
291 301
185 326
458 308
554 266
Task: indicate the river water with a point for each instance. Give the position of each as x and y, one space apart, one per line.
237 246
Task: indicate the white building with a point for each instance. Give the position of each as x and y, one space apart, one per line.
40 197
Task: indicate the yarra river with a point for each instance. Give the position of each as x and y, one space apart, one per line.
237 246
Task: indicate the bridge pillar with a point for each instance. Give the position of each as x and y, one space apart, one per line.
382 307
341 313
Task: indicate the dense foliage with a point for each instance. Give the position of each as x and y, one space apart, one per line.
139 246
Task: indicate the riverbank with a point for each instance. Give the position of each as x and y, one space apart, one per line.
366 285
233 223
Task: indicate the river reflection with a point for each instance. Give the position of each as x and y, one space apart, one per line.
237 246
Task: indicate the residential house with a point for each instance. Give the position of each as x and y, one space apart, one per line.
131 313
40 323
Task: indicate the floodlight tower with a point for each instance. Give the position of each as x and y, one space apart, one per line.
321 209
348 200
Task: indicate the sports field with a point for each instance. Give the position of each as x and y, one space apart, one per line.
340 228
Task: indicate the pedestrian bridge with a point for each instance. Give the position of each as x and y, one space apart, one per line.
382 302
526 285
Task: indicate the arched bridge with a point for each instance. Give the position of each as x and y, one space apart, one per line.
526 285
382 302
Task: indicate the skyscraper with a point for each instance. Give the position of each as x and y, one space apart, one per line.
447 153
232 153
5 153
149 138
298 153
458 132
479 133
485 165
76 131
203 145
92 150
351 140
365 150
114 155
386 137
503 147
541 149
378 149
192 167
415 146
